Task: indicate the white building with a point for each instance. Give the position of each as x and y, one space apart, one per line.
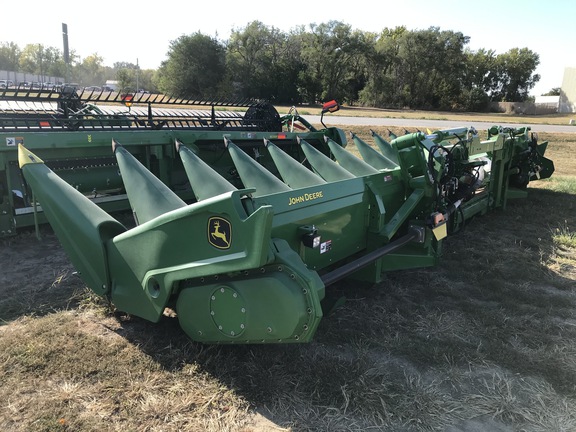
568 91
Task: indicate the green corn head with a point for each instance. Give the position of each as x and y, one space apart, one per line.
249 257
241 222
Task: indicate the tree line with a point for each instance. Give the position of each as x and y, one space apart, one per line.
396 68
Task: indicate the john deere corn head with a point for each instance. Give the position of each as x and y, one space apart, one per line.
272 219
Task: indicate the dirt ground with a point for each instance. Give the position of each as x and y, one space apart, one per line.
36 277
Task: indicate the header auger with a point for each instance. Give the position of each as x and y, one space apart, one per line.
250 260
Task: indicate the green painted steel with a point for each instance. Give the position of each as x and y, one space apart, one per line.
371 156
81 226
250 259
351 163
84 160
149 196
253 174
323 165
293 173
388 151
198 171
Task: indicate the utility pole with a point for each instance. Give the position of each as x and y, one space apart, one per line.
137 68
66 52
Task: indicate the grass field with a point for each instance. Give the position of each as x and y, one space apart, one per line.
486 341
495 118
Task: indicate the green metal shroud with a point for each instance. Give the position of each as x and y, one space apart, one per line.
250 263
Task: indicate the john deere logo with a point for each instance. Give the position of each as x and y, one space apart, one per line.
219 232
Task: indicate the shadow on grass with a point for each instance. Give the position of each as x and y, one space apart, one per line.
497 305
36 278
36 275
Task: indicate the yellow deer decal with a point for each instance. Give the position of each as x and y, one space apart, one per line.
219 234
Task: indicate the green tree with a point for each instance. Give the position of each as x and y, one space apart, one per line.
481 71
195 68
40 60
382 60
479 81
125 73
416 69
9 56
556 91
32 59
516 77
125 78
335 60
90 71
432 63
263 62
146 80
54 62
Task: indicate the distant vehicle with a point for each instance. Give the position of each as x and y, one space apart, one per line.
111 85
48 86
92 88
36 85
24 84
6 83
76 85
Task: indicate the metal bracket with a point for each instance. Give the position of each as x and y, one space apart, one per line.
420 231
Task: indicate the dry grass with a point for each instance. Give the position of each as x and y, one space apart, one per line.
495 118
484 341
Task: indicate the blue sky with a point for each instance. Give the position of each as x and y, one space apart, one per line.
127 31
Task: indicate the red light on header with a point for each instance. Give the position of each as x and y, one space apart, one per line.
127 99
331 106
